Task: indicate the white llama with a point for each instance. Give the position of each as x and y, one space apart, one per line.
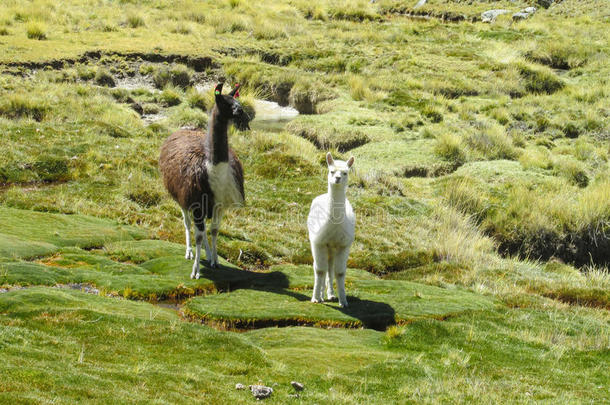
331 224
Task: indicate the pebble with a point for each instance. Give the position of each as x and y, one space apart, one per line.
261 391
297 385
240 386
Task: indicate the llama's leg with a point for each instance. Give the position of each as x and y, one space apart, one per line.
330 276
186 216
214 227
320 268
200 237
340 263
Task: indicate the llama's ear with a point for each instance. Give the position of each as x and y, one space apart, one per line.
329 159
235 92
218 93
350 162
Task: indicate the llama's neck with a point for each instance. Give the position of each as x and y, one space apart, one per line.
217 140
336 201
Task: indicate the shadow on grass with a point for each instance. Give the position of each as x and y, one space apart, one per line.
372 314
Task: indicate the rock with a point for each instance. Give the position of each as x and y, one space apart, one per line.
297 385
520 16
524 14
260 391
544 3
240 386
490 16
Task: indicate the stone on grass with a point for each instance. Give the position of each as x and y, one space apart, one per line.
520 16
297 385
545 3
240 386
490 16
261 391
524 14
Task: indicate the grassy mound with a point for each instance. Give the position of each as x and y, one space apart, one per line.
30 234
372 303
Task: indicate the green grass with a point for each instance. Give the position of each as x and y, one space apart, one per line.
372 303
499 354
480 189
33 234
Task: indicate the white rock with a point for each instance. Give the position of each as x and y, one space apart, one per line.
261 391
520 16
490 16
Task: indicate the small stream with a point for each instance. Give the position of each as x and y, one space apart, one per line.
270 116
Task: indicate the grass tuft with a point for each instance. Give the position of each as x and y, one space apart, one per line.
449 147
19 106
104 78
539 80
36 31
135 21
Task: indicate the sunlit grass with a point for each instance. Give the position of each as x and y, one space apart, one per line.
481 170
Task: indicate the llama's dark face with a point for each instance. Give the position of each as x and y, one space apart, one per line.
230 108
240 118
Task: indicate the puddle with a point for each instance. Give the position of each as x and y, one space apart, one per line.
136 82
272 111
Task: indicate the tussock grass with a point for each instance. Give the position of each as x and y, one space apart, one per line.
342 139
560 54
537 80
135 21
360 89
177 75
459 240
491 143
170 96
21 106
104 78
185 116
36 31
450 147
572 169
536 157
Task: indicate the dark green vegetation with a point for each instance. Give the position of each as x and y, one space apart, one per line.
481 170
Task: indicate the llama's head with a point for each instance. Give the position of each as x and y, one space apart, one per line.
338 171
229 107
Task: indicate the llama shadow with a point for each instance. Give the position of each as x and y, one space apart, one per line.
372 314
227 278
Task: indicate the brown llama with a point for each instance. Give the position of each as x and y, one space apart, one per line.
204 175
